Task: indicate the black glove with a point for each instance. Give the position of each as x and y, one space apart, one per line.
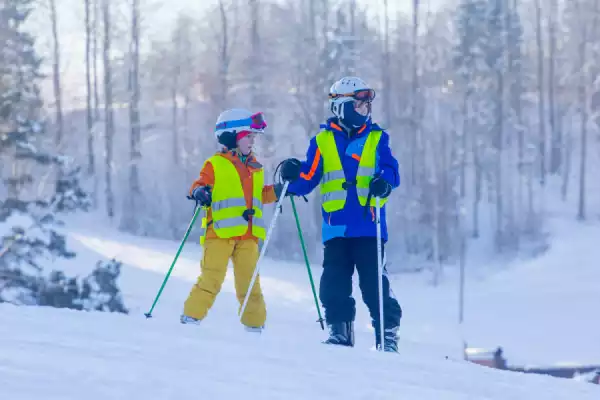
278 188
202 195
290 169
379 187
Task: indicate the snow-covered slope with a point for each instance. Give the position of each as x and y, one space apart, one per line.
542 311
57 354
63 354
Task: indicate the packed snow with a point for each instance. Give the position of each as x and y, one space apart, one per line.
63 354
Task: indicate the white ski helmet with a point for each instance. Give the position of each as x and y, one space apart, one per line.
347 89
239 119
235 120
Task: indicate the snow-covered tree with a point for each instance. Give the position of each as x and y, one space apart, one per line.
30 234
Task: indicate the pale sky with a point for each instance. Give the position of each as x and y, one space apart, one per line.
158 16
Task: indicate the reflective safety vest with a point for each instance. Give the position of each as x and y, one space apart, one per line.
333 181
229 204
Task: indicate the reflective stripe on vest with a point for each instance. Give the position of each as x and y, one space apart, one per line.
229 204
258 224
367 169
333 194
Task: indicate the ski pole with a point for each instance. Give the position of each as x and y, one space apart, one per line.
187 233
312 284
264 248
380 271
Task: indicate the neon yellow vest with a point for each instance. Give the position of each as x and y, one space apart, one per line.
333 194
228 202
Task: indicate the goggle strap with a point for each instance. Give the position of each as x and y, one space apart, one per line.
253 122
357 95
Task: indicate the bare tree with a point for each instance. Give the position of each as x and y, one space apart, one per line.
501 72
541 91
56 75
96 18
352 43
183 73
385 63
224 58
583 104
108 109
414 119
175 106
88 81
256 84
132 212
595 69
179 82
555 131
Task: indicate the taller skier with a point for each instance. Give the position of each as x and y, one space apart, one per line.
351 160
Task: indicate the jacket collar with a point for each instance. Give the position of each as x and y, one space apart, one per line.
334 126
235 157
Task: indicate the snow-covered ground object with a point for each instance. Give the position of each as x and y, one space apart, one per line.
542 311
64 354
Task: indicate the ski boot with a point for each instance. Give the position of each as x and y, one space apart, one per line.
390 340
254 329
184 319
341 333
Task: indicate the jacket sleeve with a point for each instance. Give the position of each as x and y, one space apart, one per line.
388 165
310 171
268 194
206 178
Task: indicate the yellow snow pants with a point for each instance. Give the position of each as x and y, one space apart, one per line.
217 252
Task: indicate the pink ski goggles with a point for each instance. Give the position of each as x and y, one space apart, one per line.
258 121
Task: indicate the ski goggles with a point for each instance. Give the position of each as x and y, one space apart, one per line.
256 121
361 95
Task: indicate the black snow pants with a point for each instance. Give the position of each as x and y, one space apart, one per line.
340 258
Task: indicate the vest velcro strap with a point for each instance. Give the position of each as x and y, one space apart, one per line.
332 176
228 203
230 222
336 195
247 213
348 184
365 171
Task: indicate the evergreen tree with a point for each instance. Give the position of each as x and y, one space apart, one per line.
29 227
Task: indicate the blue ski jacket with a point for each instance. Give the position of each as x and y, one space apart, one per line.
350 221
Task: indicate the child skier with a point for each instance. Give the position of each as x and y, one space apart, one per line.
231 186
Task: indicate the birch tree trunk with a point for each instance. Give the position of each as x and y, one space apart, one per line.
88 81
109 123
135 192
541 91
555 131
56 77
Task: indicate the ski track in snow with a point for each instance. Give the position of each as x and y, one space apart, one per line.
64 354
